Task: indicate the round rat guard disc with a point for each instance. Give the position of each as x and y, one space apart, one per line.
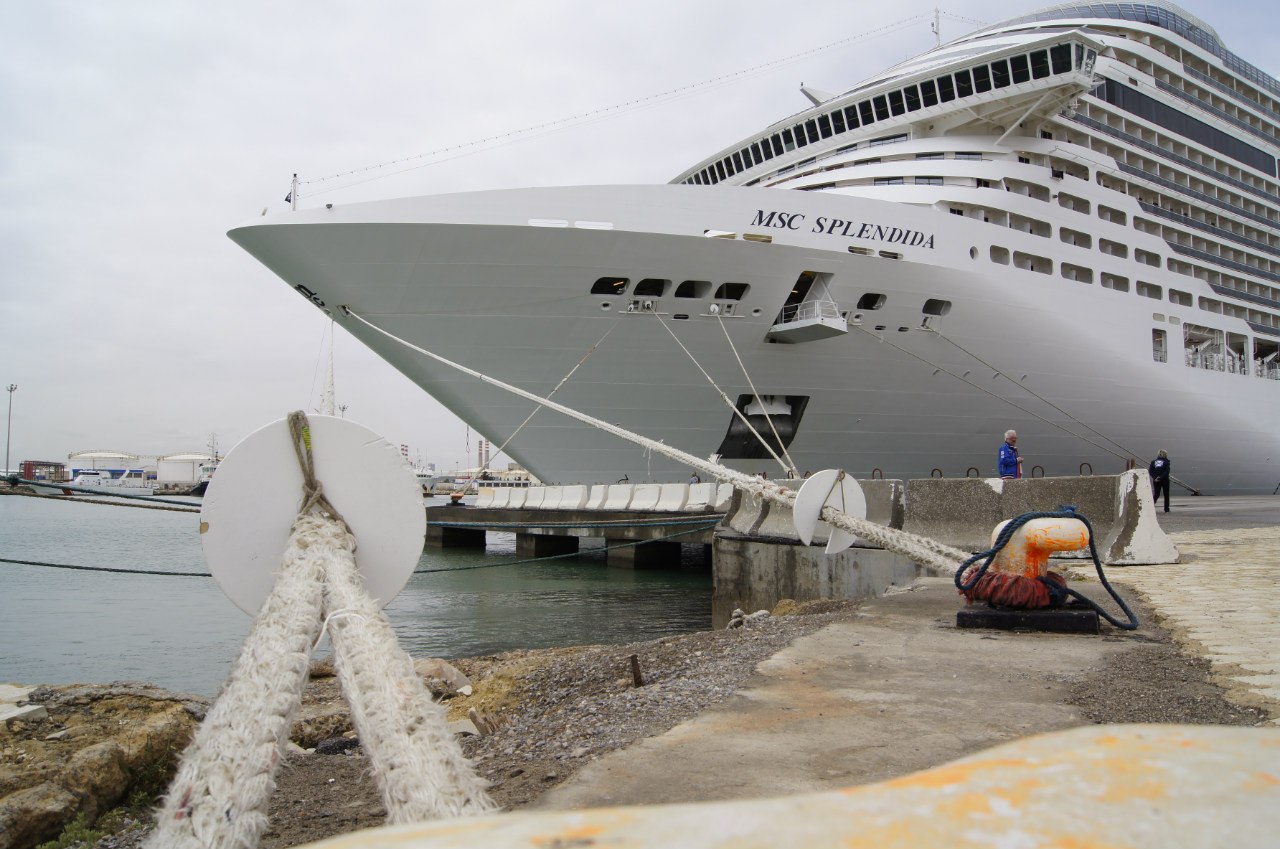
253 499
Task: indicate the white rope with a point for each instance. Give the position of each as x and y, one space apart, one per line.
224 781
767 415
218 798
417 761
728 403
942 559
484 467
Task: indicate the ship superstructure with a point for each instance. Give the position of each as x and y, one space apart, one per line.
1067 224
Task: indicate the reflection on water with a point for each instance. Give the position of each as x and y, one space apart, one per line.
62 626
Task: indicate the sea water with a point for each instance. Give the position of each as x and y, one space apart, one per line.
80 625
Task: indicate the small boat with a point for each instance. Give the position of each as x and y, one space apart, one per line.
100 481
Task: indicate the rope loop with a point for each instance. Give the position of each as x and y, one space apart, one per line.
313 497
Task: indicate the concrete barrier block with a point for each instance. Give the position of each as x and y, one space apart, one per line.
518 497
700 497
646 496
964 512
618 496
1093 496
673 496
551 500
501 497
959 511
1136 537
484 498
534 496
599 493
574 497
746 512
724 494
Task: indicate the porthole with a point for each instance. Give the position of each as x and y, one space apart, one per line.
936 306
973 253
755 311
871 301
680 316
879 327
606 306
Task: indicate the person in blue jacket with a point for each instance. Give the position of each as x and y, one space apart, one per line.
1010 463
1159 470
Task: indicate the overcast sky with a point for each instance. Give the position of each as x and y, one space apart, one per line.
134 135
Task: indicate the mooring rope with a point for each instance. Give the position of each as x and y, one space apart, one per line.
727 402
939 558
225 778
751 383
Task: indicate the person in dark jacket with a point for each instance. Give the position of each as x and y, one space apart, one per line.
1159 470
1010 464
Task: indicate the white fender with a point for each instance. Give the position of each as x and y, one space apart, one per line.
830 488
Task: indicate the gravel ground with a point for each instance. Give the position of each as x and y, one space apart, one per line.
560 708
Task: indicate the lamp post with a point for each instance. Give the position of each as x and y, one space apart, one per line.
11 388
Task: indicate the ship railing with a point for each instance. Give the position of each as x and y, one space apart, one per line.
809 311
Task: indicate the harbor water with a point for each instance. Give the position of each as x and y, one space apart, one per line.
81 625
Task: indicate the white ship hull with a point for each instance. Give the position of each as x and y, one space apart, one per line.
450 270
1064 224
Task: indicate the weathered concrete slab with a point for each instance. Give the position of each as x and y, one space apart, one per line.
957 511
1109 785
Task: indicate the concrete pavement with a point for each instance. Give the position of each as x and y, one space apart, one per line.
899 688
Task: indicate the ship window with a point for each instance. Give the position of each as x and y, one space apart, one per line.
1146 257
928 93
1000 73
888 181
871 301
824 126
896 105
693 289
1000 255
737 162
1113 248
1060 56
811 127
756 154
837 121
982 78
720 170
866 113
964 83
776 141
1031 262
929 181
967 154
1159 345
936 306
881 106
1018 67
946 89
1114 282
1077 272
933 155
731 291
798 133
651 287
1039 64
728 166
1182 299
851 116
912 95
610 286
788 142
890 254
1150 290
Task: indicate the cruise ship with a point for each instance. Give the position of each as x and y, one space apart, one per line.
1066 224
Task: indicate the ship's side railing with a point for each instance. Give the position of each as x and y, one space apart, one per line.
808 311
